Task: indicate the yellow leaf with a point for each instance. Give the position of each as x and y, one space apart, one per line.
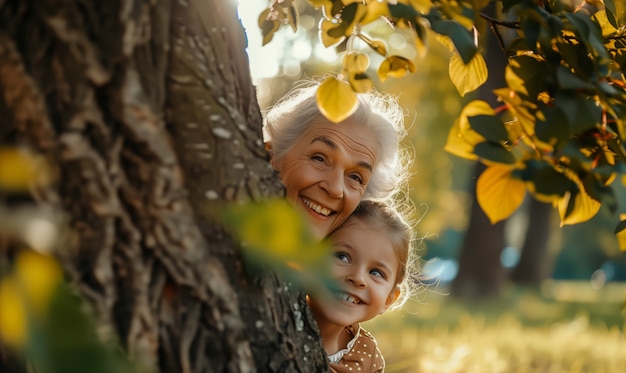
39 275
621 235
268 27
524 127
375 10
498 193
462 138
377 45
457 145
336 99
579 209
326 27
584 208
360 83
19 169
512 79
396 67
355 62
13 322
274 232
446 42
467 78
603 21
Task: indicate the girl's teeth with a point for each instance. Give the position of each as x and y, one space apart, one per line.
348 298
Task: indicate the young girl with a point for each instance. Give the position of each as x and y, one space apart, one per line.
371 254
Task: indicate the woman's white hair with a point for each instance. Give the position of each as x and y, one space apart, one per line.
290 117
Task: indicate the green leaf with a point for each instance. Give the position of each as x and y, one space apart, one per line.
581 111
611 12
494 153
528 75
462 39
403 11
590 34
568 80
554 129
576 57
490 127
548 184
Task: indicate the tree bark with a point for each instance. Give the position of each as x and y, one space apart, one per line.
149 114
480 271
532 267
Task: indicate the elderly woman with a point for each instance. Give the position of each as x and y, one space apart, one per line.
328 168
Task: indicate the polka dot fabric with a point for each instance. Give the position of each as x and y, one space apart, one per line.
364 357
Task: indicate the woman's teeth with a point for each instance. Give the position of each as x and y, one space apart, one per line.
317 208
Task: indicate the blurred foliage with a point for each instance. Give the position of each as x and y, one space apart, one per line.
274 235
43 324
561 124
21 168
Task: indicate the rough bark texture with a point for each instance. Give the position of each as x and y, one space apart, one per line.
148 111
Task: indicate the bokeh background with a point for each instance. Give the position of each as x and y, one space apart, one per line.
551 300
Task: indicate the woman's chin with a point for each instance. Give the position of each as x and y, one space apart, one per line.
319 231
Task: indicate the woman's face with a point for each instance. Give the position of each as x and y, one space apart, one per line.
326 172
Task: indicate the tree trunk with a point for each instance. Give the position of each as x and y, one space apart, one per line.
480 271
532 266
148 111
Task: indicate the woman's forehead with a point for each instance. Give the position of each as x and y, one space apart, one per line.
349 134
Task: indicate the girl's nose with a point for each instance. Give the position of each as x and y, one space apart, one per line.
356 278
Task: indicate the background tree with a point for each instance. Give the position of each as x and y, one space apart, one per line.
147 112
556 130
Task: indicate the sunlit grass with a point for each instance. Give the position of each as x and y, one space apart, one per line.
522 332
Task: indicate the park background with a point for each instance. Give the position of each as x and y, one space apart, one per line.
485 307
566 315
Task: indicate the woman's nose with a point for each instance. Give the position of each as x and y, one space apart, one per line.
333 184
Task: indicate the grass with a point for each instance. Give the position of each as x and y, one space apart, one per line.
562 328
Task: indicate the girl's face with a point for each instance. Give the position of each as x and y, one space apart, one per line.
365 268
326 172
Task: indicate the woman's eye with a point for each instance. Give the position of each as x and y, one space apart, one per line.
318 158
357 178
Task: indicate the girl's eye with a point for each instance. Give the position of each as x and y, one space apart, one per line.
377 273
343 257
